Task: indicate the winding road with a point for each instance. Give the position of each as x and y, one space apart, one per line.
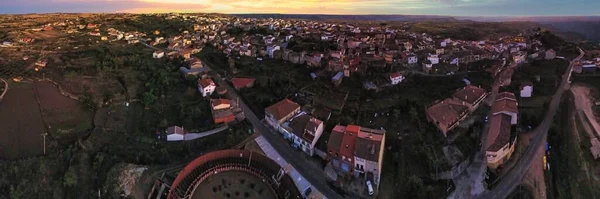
512 179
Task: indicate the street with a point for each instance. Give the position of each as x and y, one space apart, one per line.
316 176
512 179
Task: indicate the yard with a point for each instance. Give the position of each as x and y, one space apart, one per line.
22 123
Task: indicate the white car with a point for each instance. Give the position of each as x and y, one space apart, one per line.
370 188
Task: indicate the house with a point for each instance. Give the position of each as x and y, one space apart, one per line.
175 133
470 96
439 51
412 59
279 112
206 87
92 26
337 78
220 104
550 54
41 63
396 78
506 103
368 153
340 148
304 131
500 143
239 83
526 89
589 67
433 58
519 57
447 114
158 54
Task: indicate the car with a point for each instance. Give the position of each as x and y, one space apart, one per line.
370 188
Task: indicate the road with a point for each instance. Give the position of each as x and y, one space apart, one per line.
316 176
512 179
5 89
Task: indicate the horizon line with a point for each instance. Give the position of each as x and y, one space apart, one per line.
432 15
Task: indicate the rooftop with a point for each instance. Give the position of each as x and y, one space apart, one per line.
282 108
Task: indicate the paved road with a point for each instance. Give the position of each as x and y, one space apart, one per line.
512 179
316 176
5 89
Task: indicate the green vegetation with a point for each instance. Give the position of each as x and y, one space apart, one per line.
570 175
470 30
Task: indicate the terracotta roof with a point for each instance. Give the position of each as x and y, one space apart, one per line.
175 130
222 113
395 75
349 141
498 132
217 102
206 82
241 82
446 112
282 108
505 105
368 146
335 139
506 95
469 94
313 124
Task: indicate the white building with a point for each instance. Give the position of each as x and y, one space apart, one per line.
412 59
396 78
434 59
175 133
206 87
158 54
526 90
304 131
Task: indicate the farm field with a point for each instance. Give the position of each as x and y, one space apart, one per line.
22 124
63 115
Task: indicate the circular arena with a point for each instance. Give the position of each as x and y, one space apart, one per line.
233 174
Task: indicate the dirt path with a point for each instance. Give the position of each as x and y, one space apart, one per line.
584 103
534 178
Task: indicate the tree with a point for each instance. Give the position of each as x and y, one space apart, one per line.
70 178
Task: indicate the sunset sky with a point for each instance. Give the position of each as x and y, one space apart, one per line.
409 7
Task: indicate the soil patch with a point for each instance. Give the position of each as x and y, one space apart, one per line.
62 114
21 123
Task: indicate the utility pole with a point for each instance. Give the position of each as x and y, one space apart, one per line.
44 135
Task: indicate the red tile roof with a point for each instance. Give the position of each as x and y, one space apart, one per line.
395 75
282 108
505 105
217 102
335 139
349 141
498 132
506 95
446 113
206 82
241 82
469 94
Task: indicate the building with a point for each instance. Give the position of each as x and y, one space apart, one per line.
526 89
337 78
158 54
303 131
175 133
221 111
368 154
500 142
447 114
206 87
357 151
239 83
340 148
506 103
239 169
396 78
471 96
550 54
278 113
433 58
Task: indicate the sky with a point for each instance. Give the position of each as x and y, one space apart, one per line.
403 7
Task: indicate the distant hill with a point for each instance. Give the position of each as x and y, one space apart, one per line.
351 17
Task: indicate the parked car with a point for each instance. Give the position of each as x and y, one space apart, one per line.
370 188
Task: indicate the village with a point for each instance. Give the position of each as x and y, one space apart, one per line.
326 90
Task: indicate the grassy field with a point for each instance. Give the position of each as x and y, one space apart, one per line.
64 116
21 121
